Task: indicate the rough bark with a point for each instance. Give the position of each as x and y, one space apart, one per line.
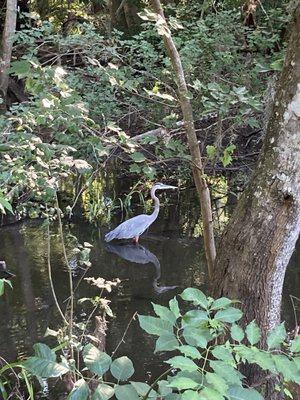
124 15
255 249
6 47
187 112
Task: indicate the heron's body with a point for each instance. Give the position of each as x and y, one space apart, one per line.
134 227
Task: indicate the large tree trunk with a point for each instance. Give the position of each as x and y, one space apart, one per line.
255 249
6 47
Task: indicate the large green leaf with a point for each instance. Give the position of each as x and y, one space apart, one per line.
166 342
221 303
143 388
276 337
191 395
164 313
44 363
237 333
253 333
80 391
97 361
196 296
103 392
210 394
286 367
183 383
229 315
122 368
182 363
223 353
190 351
195 317
155 326
226 371
126 392
240 393
216 381
196 336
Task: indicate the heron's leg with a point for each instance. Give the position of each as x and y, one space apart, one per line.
136 239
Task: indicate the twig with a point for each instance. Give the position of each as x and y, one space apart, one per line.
124 334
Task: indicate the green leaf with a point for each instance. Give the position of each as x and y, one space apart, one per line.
226 371
126 392
287 368
20 68
196 336
240 393
229 315
103 392
182 363
295 344
174 307
216 381
97 361
195 317
80 391
155 326
164 313
190 351
44 364
183 383
276 337
222 353
237 333
196 296
210 394
138 157
166 342
191 395
143 388
6 204
4 281
221 303
253 333
122 368
211 151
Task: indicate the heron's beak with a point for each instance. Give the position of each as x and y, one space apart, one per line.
170 187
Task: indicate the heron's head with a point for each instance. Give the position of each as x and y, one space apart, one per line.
162 186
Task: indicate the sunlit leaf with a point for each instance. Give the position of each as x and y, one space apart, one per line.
122 368
182 363
276 337
196 296
253 333
126 392
80 391
103 392
229 315
97 361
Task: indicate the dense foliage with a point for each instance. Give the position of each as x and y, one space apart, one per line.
88 95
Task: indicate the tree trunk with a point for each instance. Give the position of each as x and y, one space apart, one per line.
255 249
6 47
187 112
124 15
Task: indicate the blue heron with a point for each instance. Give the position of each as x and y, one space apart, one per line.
134 227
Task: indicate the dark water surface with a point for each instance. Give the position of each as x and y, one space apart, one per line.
168 260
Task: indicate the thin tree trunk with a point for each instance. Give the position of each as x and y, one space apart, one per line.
6 47
187 112
260 238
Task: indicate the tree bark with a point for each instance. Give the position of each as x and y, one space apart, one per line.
260 238
187 112
6 47
124 15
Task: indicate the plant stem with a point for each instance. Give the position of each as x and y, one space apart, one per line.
50 276
155 382
71 317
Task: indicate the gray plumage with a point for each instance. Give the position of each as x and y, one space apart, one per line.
134 227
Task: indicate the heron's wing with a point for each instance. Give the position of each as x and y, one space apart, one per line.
132 227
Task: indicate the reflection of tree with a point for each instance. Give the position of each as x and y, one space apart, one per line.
140 255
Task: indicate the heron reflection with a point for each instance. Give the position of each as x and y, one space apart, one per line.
140 255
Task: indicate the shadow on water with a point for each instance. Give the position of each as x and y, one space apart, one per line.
168 260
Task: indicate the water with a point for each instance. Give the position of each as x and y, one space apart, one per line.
168 260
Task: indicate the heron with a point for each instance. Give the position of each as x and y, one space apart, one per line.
134 227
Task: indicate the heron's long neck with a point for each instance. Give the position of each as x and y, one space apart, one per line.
156 203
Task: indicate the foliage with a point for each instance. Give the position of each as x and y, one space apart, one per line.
202 365
90 94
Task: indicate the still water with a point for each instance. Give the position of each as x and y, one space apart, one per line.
168 260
